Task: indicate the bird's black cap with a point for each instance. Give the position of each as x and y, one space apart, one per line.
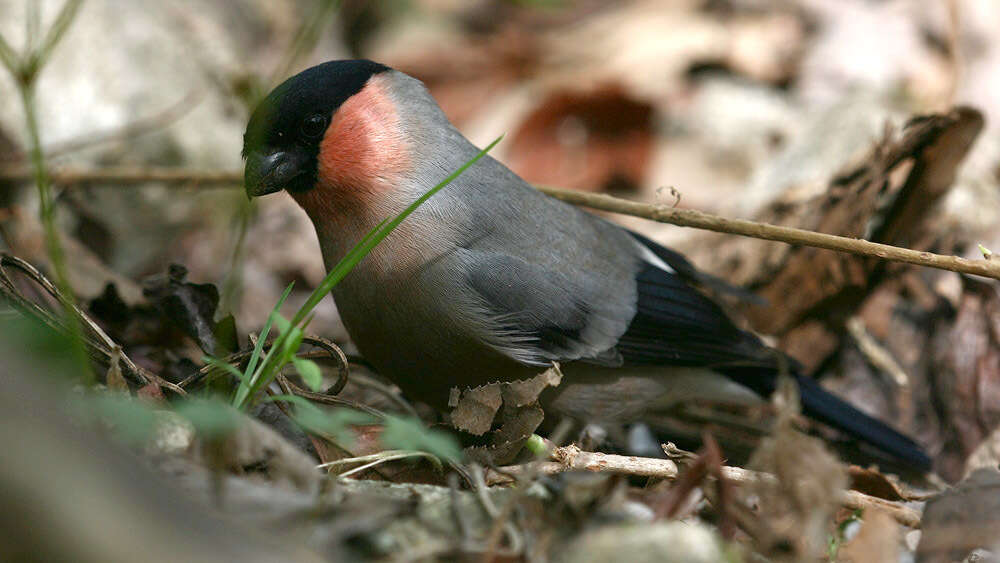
282 139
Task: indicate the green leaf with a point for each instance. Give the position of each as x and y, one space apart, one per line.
132 421
291 344
210 417
252 364
282 323
27 334
269 366
309 371
226 340
410 434
536 445
326 422
243 391
335 423
224 366
293 399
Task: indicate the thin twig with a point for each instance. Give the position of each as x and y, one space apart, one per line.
24 69
334 351
875 353
335 464
96 342
329 351
386 391
378 459
849 499
280 404
293 389
358 379
654 212
790 235
571 458
857 500
129 176
528 474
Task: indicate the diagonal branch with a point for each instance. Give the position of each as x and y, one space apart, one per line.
705 221
655 212
571 458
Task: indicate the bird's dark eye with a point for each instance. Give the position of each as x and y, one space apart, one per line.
314 126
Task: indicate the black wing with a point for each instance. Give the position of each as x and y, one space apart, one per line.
687 270
675 324
644 315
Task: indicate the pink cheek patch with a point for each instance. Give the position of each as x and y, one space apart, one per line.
363 152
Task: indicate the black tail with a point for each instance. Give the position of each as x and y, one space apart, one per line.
827 408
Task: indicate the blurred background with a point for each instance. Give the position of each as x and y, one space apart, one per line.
735 107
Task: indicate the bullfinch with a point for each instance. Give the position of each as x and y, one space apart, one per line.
491 280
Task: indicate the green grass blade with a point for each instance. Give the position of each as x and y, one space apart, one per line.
335 275
291 399
309 372
376 236
262 337
225 366
264 374
244 389
287 343
278 355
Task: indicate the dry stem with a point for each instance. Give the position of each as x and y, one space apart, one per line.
571 458
129 176
801 237
654 212
102 345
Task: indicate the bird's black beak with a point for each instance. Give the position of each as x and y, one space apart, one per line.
267 173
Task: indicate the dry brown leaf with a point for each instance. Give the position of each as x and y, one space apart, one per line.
962 519
877 484
477 408
114 378
526 392
986 456
800 502
509 409
965 356
885 196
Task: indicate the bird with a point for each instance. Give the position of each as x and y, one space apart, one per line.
491 280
